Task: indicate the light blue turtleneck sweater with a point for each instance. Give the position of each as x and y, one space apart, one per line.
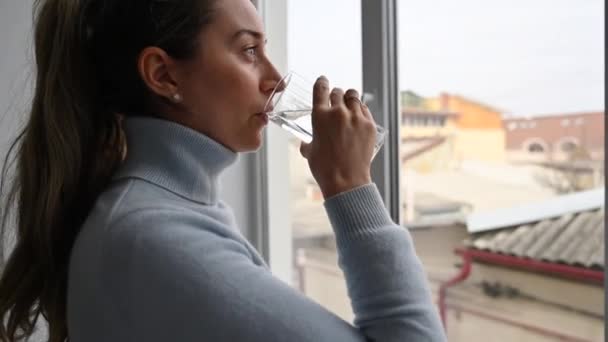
160 259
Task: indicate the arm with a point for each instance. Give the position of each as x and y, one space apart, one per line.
385 280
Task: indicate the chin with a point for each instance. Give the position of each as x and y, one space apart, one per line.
251 145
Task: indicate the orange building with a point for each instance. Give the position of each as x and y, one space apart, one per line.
472 114
475 130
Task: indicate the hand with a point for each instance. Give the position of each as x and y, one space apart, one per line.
344 133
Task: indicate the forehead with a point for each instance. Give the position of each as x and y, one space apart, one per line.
234 15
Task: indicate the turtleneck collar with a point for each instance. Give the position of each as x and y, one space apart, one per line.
174 157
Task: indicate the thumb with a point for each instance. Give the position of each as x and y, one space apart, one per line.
305 149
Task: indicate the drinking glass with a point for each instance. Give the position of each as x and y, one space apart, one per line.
290 107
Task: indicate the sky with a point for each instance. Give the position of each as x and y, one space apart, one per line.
525 57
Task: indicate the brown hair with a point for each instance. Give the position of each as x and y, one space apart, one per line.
85 54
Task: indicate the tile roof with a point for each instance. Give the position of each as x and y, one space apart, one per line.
575 239
555 206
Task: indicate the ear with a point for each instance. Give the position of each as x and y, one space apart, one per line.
156 68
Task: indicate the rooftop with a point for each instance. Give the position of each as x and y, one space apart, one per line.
534 212
567 230
575 239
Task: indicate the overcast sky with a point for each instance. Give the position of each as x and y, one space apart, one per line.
527 57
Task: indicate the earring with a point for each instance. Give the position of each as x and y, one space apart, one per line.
177 97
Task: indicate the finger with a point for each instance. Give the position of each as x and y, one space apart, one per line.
305 149
336 97
366 112
320 93
351 99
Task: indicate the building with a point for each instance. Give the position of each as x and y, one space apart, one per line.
555 137
481 134
473 130
539 269
569 146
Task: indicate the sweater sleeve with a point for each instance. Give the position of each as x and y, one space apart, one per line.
385 279
188 281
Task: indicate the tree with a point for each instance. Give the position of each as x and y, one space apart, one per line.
577 173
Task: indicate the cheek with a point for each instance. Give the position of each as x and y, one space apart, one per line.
239 84
223 98
224 88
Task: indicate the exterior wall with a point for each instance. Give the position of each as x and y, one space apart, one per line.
508 320
428 131
435 248
465 326
471 313
477 144
572 294
478 129
472 115
584 129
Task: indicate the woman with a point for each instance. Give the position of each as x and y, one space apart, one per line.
128 241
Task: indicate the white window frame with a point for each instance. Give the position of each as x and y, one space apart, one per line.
270 231
271 234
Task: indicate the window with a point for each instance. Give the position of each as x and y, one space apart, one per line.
308 246
568 146
527 124
315 269
536 148
513 97
471 169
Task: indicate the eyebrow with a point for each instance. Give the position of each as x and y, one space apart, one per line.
255 34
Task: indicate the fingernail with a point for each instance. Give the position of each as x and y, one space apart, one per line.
322 77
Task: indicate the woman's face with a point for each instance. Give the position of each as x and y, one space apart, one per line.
225 86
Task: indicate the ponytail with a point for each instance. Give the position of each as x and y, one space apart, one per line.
64 157
72 142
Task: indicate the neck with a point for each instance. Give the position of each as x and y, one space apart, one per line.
174 157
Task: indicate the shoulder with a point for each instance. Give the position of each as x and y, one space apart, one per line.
134 218
159 244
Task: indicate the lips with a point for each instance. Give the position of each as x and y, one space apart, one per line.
267 109
263 117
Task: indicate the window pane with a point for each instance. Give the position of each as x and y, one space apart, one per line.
324 38
503 158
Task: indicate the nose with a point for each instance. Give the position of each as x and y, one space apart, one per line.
273 79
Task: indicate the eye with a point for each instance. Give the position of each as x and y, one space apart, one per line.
251 51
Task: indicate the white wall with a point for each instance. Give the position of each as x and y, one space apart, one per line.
16 65
15 61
